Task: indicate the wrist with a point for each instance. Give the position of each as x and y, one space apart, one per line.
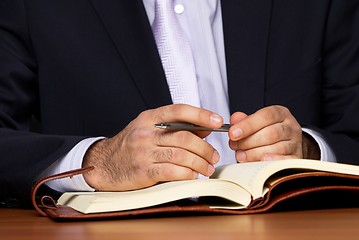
96 156
310 147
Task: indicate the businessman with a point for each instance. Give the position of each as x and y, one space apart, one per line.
83 82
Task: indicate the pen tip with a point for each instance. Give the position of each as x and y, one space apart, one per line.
159 125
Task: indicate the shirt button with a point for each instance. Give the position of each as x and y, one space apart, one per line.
179 8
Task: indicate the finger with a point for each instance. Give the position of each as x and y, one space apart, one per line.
264 137
186 113
257 121
273 157
237 116
189 142
164 172
183 158
155 173
280 148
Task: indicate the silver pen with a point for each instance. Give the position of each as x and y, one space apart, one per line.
174 126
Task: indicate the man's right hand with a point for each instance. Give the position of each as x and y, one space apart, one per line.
142 155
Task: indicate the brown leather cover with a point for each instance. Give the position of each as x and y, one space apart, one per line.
294 192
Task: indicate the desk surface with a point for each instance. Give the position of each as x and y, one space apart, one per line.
317 224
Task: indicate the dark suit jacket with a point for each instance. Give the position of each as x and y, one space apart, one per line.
88 67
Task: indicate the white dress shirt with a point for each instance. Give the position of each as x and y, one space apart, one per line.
202 22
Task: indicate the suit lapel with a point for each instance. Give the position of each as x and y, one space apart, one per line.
246 26
128 26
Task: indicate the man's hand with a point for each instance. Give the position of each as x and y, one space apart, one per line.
142 155
270 133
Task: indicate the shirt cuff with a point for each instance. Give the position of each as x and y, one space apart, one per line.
326 153
71 161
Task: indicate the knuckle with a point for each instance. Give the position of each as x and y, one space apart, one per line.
189 174
281 113
153 173
296 148
203 115
168 173
183 137
173 174
274 134
205 150
291 148
192 163
141 133
159 114
284 110
283 148
160 138
174 155
177 109
297 129
165 155
281 110
292 129
146 114
286 130
268 116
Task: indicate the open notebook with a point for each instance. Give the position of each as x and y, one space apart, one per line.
234 189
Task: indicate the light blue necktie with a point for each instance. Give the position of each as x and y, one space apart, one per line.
176 54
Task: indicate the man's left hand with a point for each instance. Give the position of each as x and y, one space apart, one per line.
270 133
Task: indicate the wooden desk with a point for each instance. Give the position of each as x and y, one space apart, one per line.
319 224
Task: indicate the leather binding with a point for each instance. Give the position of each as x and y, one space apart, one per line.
299 191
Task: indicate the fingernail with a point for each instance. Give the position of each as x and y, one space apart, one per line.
215 157
237 132
195 175
215 118
241 156
210 170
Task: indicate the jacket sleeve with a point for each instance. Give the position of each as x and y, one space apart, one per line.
24 154
340 100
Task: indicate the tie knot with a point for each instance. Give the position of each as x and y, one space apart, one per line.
164 5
